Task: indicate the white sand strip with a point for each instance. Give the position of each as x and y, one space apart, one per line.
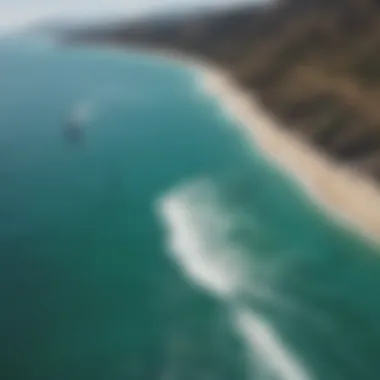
352 198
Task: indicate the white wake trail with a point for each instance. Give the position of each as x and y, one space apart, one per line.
267 345
197 234
200 239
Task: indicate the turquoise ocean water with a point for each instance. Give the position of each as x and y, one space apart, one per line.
162 246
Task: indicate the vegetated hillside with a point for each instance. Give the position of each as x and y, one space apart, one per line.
314 63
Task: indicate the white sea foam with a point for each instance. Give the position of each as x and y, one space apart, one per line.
83 112
269 348
199 239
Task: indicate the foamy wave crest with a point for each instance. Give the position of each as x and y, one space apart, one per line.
83 112
200 238
197 233
265 343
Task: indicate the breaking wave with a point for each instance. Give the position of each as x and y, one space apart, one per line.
201 239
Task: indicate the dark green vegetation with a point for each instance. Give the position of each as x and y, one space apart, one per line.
313 63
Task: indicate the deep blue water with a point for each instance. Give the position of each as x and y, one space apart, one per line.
160 245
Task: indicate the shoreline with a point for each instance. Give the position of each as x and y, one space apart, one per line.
343 193
348 197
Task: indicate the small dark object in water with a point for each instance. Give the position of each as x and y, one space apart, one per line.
74 133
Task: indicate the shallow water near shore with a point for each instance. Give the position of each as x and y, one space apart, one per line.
161 245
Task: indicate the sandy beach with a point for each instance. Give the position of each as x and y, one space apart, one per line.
349 197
